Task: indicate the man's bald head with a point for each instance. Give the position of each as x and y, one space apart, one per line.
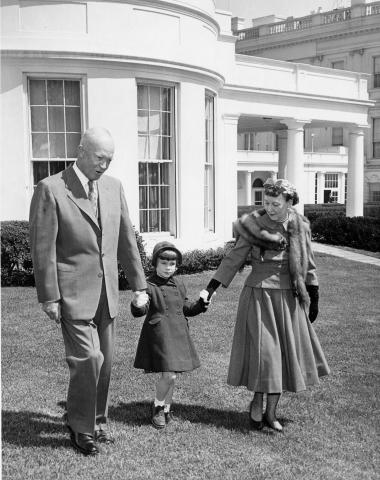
95 152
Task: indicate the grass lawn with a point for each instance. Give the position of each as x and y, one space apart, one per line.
330 430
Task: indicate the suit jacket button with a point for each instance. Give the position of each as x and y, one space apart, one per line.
100 275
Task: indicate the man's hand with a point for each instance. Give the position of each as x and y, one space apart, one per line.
140 298
52 310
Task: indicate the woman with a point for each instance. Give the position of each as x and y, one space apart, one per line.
274 347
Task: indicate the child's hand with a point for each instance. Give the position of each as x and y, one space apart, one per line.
204 296
140 298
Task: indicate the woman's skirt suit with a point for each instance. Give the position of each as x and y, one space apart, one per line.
165 344
275 347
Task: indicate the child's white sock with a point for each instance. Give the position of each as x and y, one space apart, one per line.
159 403
167 408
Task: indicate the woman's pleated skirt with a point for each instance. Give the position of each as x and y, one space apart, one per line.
275 347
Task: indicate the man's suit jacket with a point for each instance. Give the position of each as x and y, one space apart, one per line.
72 253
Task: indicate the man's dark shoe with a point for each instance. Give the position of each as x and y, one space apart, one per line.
84 443
101 436
158 417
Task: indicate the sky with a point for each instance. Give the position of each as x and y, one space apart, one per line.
280 8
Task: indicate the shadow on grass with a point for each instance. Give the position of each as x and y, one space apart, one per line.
33 429
138 413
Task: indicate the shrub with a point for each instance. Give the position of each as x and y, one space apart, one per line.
313 212
356 232
16 261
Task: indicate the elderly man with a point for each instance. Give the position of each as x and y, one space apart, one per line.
79 229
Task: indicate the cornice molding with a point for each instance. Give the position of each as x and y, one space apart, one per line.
281 43
283 93
116 59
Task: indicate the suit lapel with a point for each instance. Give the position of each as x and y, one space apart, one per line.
77 194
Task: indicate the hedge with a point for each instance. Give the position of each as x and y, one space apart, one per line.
356 232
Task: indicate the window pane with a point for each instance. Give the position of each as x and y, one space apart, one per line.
164 220
155 147
73 122
154 225
40 171
143 147
56 167
40 145
38 117
142 97
376 149
166 153
153 197
57 145
143 197
143 175
154 123
72 140
72 93
165 124
37 92
142 120
165 97
164 197
56 119
164 173
153 173
143 221
55 92
154 97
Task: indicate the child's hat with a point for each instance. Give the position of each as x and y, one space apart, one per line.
161 247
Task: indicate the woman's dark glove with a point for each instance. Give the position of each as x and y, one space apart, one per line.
313 291
211 287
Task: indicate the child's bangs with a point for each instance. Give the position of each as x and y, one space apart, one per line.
168 255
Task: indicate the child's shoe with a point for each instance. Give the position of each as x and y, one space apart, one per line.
169 417
158 417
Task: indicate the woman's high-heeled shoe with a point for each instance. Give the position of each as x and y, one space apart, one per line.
255 424
274 425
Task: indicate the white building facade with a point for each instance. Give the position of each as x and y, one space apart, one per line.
164 78
343 39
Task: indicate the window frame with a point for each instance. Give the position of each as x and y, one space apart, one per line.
375 140
376 74
173 192
27 76
209 226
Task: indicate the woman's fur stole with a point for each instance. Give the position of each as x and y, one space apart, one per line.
251 229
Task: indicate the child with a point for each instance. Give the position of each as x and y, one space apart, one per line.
165 345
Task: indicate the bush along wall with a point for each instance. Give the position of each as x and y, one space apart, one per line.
356 232
16 261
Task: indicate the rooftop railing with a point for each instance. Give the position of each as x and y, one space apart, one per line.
303 23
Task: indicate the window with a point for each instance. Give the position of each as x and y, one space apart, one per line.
374 192
209 210
330 194
376 72
258 191
345 188
376 137
338 65
55 124
337 136
156 154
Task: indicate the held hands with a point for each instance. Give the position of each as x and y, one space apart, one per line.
52 310
140 298
205 296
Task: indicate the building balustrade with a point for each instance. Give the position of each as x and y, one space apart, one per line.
303 23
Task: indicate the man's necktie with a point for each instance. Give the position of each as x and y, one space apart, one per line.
93 196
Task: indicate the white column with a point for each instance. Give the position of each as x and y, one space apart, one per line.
282 140
228 195
354 207
320 186
248 188
295 157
